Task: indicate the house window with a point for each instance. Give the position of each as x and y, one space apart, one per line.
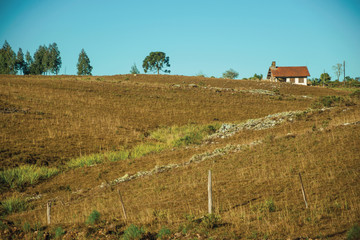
292 80
301 80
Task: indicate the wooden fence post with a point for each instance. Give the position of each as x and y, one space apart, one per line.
122 205
303 191
209 194
48 212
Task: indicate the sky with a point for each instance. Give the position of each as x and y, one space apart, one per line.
200 36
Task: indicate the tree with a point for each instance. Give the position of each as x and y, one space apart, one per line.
54 59
230 74
315 81
325 79
156 61
7 59
134 69
28 62
338 70
256 77
40 63
83 65
20 62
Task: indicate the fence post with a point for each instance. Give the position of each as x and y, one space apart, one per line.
48 212
303 191
209 194
122 205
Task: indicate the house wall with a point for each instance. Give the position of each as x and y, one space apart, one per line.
296 81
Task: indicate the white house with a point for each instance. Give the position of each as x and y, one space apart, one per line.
295 75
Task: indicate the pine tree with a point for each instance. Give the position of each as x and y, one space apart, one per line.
83 65
134 69
7 59
28 63
40 63
54 59
20 62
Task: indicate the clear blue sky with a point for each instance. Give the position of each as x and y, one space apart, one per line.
208 36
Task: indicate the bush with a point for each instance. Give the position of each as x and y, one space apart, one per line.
12 205
211 221
353 233
59 232
93 218
163 233
133 232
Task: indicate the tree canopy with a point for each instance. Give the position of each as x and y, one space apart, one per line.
46 60
7 59
83 65
134 69
230 74
325 78
156 62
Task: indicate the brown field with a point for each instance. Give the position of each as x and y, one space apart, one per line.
49 120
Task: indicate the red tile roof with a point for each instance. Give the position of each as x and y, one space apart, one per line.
290 72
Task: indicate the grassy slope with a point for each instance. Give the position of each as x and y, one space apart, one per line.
243 181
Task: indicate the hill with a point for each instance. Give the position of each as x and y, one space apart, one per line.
153 139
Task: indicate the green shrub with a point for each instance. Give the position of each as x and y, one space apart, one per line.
210 221
133 232
12 205
59 232
93 218
164 233
353 233
267 206
27 174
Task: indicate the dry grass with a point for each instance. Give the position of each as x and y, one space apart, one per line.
256 191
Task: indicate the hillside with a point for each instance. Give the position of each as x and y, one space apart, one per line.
154 138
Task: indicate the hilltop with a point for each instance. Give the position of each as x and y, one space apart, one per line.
153 138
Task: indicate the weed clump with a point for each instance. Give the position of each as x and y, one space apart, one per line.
133 232
164 233
353 233
210 221
93 218
12 205
27 174
59 232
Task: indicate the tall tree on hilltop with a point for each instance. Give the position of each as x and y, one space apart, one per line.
40 63
7 59
83 65
54 58
20 62
28 62
155 62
